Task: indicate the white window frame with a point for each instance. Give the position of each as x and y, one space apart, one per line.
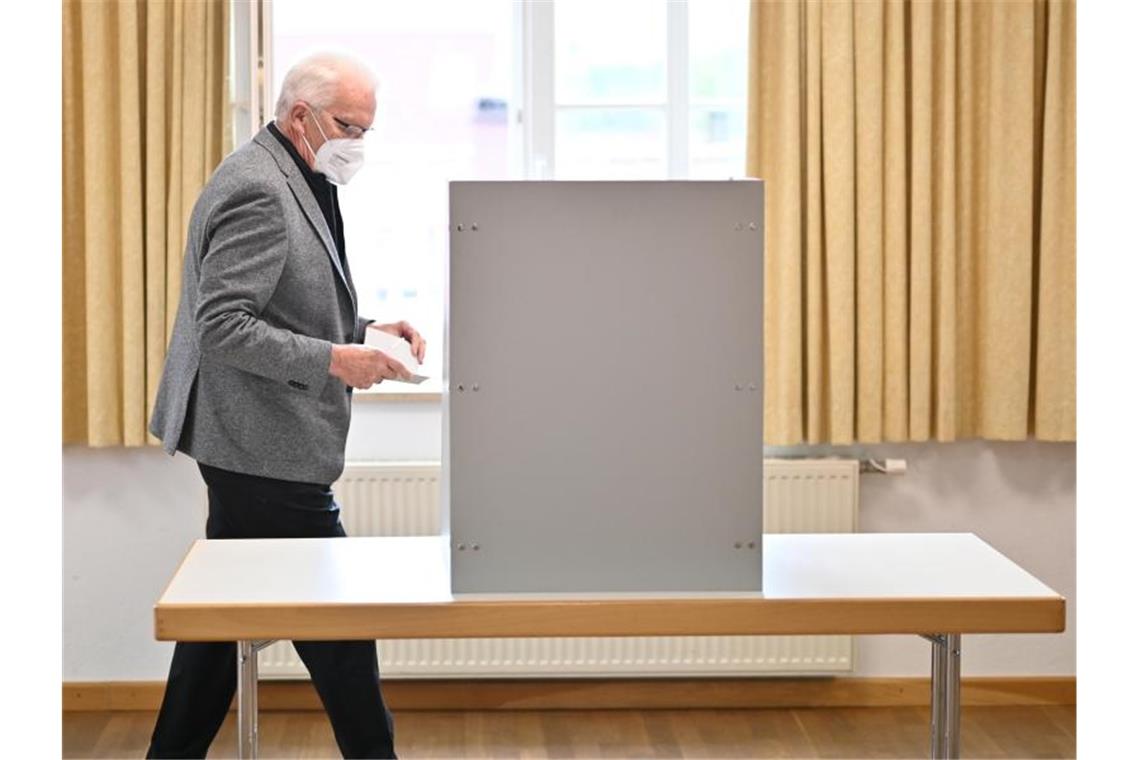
534 81
539 109
251 36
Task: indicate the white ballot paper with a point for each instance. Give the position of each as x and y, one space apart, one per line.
398 348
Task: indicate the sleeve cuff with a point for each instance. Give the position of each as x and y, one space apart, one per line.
312 372
362 325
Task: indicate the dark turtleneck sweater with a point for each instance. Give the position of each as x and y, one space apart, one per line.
323 190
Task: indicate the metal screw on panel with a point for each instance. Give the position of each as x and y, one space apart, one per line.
461 388
752 225
474 226
475 386
737 545
463 547
751 544
474 547
739 226
752 386
739 387
459 227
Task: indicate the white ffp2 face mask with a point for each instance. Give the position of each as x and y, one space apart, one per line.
338 159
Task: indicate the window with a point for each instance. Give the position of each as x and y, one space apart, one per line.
638 89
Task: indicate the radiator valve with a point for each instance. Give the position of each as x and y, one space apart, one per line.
885 466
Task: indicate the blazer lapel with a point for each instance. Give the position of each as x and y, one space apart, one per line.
307 202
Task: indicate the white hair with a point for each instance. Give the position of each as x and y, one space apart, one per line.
314 79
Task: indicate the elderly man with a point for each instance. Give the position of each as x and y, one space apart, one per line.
257 386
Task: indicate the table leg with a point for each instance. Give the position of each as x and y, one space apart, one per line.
247 696
937 694
953 699
945 694
247 699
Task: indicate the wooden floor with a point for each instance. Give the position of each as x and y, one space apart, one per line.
899 732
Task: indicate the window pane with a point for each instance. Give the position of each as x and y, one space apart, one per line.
610 143
609 52
718 51
716 143
445 77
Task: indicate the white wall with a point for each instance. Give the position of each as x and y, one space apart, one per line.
130 514
1019 497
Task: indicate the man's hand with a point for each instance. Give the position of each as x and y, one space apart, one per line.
403 330
364 366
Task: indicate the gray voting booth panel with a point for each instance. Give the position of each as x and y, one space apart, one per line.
603 398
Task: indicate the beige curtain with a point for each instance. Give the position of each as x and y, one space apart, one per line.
145 121
919 160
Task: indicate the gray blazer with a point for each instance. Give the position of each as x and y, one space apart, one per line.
246 385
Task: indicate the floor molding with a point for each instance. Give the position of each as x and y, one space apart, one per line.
614 693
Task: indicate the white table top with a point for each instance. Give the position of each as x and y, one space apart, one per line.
400 587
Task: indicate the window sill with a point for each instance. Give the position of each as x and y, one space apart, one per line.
380 397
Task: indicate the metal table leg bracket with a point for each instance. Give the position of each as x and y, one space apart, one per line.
247 696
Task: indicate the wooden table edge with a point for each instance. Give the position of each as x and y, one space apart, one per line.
624 617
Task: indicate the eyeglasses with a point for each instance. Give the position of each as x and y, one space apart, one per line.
351 131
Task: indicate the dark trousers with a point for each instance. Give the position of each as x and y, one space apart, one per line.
203 676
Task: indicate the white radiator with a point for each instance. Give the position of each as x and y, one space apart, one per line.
402 499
